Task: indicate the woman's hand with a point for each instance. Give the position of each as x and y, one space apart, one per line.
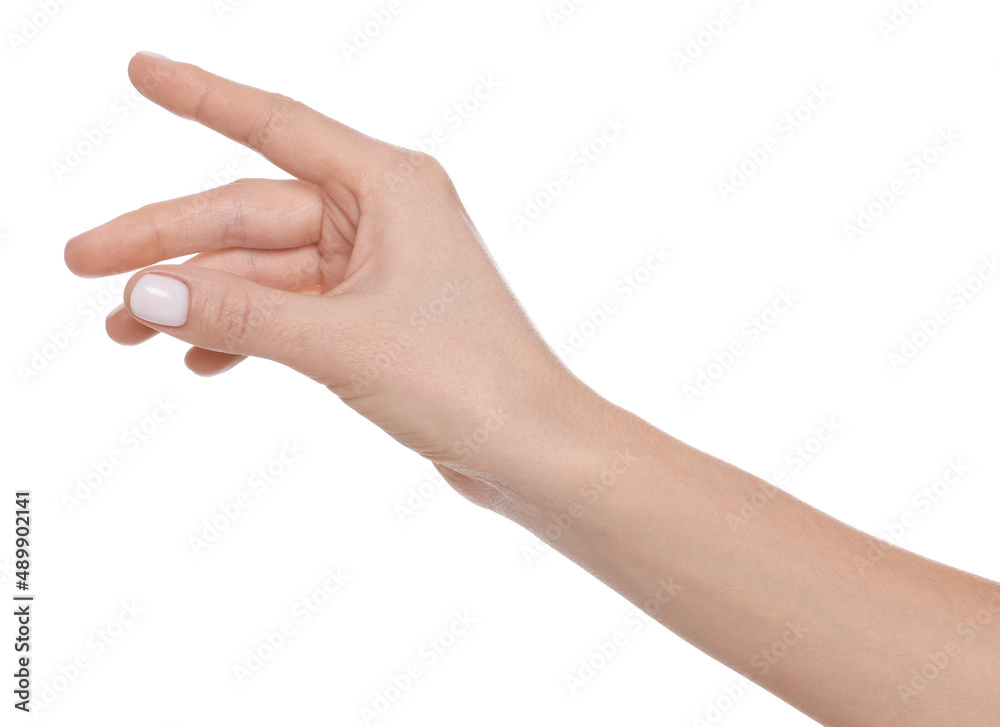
364 273
367 275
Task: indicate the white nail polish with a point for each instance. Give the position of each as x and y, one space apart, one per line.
160 299
148 54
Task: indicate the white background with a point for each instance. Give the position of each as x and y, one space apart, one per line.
336 504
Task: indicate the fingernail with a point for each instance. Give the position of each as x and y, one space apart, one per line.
150 54
160 299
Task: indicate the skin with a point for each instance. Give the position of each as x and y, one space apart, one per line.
366 274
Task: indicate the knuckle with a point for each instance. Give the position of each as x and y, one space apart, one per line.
261 131
430 169
437 178
270 124
235 234
421 170
155 233
204 98
232 317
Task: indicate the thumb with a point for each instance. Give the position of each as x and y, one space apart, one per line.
220 311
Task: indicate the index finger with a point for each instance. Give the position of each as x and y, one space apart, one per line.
296 138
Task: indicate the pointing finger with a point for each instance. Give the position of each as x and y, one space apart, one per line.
303 142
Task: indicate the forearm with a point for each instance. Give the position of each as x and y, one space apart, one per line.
787 596
412 325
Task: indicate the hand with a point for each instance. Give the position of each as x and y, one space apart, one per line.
364 273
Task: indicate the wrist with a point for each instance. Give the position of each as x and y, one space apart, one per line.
552 454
